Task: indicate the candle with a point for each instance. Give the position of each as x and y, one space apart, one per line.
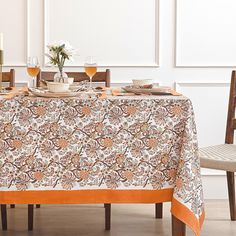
1 41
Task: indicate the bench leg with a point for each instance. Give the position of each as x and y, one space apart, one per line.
4 216
12 206
37 205
107 216
158 210
178 227
30 217
231 192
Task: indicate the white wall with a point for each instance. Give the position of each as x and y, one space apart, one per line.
187 43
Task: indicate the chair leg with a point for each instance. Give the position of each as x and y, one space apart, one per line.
107 216
231 192
12 206
37 205
158 210
30 217
4 216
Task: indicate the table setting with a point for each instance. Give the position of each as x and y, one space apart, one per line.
72 143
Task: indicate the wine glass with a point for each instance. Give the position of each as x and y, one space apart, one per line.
33 69
90 67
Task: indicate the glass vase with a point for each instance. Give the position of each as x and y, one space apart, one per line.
60 77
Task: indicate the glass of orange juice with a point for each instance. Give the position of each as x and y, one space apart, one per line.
90 67
33 69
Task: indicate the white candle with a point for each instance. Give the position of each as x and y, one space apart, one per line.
1 41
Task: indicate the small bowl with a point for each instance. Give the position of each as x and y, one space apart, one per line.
69 80
142 82
56 87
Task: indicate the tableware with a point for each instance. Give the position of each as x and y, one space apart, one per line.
69 80
142 82
43 83
6 90
33 69
152 91
90 67
46 93
56 87
80 86
2 92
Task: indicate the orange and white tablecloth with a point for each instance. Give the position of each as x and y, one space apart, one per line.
140 149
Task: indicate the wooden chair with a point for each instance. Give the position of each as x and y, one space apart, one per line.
223 157
78 76
9 78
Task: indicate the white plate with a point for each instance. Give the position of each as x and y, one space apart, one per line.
154 91
48 94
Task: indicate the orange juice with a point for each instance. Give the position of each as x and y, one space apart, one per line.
33 71
90 70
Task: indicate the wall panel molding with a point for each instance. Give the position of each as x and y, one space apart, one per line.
27 37
156 46
203 39
190 83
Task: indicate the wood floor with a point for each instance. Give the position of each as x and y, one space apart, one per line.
130 220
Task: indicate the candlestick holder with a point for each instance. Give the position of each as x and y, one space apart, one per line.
1 63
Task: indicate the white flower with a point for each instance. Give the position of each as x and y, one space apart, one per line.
59 53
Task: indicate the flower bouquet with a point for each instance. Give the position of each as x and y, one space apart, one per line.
58 54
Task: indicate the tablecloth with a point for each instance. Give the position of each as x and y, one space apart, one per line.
139 149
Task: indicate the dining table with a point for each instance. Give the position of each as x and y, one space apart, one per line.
102 149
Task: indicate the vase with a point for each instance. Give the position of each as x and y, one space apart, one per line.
60 77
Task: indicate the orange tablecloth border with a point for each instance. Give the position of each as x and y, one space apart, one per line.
104 196
185 215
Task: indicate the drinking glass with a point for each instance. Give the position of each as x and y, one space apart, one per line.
90 67
33 69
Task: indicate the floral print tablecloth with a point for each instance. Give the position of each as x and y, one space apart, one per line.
117 143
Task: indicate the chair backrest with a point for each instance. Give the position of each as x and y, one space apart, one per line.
78 76
9 77
231 121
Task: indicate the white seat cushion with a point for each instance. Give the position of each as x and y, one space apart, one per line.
220 157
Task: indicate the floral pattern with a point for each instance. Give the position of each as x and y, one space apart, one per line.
113 143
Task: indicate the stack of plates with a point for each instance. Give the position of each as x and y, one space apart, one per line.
153 91
47 93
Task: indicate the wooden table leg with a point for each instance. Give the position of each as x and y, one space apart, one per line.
158 210
178 227
30 217
4 216
107 216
